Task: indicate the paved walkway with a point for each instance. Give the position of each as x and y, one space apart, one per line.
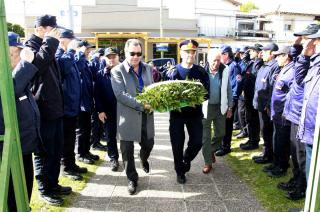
220 190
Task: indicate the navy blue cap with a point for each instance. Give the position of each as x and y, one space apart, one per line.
188 45
243 49
47 20
100 51
311 29
14 40
111 50
67 33
225 48
271 46
86 44
257 47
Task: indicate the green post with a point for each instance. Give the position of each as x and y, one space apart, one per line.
312 202
11 156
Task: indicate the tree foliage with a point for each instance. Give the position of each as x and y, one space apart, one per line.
248 6
16 28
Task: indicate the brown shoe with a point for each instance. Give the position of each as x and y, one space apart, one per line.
213 157
206 169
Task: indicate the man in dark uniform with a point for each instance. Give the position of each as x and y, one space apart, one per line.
47 91
106 104
189 116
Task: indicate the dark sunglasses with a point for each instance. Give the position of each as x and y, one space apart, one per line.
135 53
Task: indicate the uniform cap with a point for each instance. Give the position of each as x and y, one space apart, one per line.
110 51
67 33
225 49
14 40
271 46
189 45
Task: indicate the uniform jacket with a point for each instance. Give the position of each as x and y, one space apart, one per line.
280 91
86 83
47 87
197 73
310 102
105 100
27 110
264 84
129 112
71 82
234 70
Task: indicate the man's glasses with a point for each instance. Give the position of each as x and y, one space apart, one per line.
132 54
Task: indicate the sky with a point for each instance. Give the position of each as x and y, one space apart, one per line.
15 8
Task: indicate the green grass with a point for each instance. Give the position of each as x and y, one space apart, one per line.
38 205
264 187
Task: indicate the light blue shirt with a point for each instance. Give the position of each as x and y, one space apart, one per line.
215 88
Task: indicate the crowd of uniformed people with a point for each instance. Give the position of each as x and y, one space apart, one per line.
69 96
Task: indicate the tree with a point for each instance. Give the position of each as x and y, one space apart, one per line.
16 28
248 6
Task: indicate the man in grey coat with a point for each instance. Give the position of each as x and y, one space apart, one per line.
135 121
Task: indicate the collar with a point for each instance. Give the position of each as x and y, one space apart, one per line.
36 39
128 67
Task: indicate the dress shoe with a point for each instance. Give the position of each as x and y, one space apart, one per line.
213 157
99 147
187 166
277 172
79 169
71 174
246 143
262 160
268 168
222 152
181 179
85 159
62 190
296 194
52 199
92 156
132 187
206 169
288 186
242 135
257 156
249 146
114 165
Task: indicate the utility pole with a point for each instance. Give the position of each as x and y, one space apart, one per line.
70 13
161 24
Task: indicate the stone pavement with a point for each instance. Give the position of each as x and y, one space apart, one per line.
221 190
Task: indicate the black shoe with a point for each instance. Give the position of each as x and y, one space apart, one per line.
181 179
62 190
132 187
288 186
296 194
80 170
258 156
235 127
114 165
187 166
71 174
99 147
269 168
85 159
277 172
92 156
246 143
222 152
145 166
262 160
52 199
242 135
249 146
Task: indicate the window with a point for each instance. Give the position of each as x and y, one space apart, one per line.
287 27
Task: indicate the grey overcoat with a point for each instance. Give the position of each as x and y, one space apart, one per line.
125 86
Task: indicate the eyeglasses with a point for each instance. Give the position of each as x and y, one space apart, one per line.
132 54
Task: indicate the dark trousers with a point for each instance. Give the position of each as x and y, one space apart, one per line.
266 127
242 115
252 117
69 135
298 157
47 166
127 151
96 129
226 142
28 173
110 127
281 145
177 137
83 133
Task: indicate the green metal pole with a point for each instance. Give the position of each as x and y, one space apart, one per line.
312 202
11 155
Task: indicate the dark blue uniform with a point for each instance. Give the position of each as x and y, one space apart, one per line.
189 116
105 101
